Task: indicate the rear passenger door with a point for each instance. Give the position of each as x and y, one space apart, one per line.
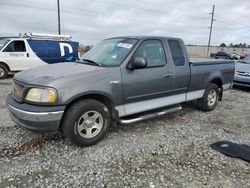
16 56
181 65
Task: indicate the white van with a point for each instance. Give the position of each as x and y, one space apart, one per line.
25 52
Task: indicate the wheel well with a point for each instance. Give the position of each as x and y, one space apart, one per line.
2 63
101 98
217 81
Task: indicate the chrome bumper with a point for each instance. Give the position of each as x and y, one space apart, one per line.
36 116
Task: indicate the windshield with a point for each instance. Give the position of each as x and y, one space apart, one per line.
246 60
110 52
3 42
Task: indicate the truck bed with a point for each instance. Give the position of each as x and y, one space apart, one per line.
207 71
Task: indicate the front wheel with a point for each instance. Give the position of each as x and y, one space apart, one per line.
210 98
86 122
3 71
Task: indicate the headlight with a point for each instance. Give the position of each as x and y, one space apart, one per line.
42 95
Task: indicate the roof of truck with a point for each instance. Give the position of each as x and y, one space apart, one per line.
144 37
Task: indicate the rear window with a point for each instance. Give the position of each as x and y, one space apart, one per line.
177 52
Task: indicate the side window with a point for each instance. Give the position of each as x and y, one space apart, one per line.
177 52
15 46
153 52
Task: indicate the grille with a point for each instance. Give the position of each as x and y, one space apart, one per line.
18 91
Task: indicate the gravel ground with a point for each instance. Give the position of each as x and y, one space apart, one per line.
170 151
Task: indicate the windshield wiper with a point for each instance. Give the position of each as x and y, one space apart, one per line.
92 62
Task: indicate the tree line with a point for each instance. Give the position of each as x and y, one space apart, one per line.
240 45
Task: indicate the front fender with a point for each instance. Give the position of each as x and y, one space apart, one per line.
89 94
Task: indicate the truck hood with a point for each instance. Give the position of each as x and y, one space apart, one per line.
243 67
47 74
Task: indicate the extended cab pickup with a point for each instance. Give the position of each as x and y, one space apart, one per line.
123 79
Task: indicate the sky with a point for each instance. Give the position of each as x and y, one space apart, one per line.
90 21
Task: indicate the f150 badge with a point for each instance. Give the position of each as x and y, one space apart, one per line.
115 82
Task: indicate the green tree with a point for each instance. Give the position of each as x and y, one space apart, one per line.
223 45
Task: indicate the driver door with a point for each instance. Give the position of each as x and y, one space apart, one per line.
144 88
16 56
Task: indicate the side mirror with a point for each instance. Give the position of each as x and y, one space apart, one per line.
137 63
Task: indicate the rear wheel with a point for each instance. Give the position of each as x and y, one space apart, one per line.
3 71
86 122
210 98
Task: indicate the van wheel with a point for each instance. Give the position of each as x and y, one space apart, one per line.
86 122
3 71
210 98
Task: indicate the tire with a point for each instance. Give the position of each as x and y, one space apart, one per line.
86 122
210 98
3 71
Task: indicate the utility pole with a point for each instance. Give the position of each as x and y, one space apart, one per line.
58 16
210 33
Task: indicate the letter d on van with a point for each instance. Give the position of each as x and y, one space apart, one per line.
62 45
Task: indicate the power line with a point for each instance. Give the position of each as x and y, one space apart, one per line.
146 9
105 16
228 21
35 2
168 7
93 14
219 18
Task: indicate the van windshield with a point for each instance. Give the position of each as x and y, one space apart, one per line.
3 42
110 52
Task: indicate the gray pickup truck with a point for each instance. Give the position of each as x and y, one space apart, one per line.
123 79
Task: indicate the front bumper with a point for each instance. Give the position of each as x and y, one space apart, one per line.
36 118
241 80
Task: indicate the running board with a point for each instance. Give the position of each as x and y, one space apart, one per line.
149 116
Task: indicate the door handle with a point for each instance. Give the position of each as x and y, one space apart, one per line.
28 55
168 75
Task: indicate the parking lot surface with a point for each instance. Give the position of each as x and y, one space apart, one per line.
169 151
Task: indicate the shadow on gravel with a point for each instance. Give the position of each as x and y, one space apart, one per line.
38 142
241 88
29 146
6 81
